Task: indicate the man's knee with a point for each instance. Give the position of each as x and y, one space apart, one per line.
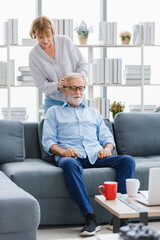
129 160
67 162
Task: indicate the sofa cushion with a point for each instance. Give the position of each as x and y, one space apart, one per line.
137 134
19 210
45 156
11 141
44 180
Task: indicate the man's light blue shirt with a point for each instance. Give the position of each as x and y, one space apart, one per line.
81 128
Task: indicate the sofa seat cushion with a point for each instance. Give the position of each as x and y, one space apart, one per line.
11 141
19 211
143 164
137 134
45 180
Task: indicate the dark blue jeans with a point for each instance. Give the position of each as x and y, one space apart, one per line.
73 171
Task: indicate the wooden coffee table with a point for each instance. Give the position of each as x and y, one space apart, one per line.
121 210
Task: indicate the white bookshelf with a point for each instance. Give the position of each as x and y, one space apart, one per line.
90 48
104 86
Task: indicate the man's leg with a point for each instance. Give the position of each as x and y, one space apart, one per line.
73 171
124 166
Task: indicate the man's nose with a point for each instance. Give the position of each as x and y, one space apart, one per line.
77 90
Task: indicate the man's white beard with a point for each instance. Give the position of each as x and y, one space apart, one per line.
75 100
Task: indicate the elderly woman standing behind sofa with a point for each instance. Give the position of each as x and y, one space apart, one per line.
51 58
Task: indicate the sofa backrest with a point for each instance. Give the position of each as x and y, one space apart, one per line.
31 138
137 134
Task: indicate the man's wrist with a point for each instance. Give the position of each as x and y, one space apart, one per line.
107 149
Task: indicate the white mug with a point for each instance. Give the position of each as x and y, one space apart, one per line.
132 186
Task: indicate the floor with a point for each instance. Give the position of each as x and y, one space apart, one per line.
73 232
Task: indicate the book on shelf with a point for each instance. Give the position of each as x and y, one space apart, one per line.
11 27
136 76
137 34
101 104
106 71
26 83
113 71
137 71
107 32
137 81
100 69
63 27
144 32
119 71
25 73
24 68
29 41
3 73
136 67
25 78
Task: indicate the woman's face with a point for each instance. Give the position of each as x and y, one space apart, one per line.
45 40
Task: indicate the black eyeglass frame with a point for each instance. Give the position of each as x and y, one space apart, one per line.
81 88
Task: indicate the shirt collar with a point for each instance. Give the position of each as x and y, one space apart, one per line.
67 105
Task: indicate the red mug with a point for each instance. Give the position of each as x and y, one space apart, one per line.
110 190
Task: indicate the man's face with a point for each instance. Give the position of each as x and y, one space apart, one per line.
74 96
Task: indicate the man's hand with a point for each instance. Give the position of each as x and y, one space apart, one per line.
104 153
69 153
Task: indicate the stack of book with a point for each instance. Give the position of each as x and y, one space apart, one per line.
3 73
12 30
105 71
102 104
132 74
137 108
144 32
63 27
108 33
17 113
25 78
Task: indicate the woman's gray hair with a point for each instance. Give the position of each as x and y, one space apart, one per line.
73 76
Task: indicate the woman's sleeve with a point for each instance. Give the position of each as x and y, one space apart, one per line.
41 82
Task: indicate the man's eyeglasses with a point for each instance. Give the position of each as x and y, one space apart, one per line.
74 88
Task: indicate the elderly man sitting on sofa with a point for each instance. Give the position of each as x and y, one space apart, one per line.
79 139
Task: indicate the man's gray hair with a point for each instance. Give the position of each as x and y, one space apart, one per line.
73 76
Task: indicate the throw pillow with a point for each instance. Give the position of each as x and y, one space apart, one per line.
109 125
11 141
45 156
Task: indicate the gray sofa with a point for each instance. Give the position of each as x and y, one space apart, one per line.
23 160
